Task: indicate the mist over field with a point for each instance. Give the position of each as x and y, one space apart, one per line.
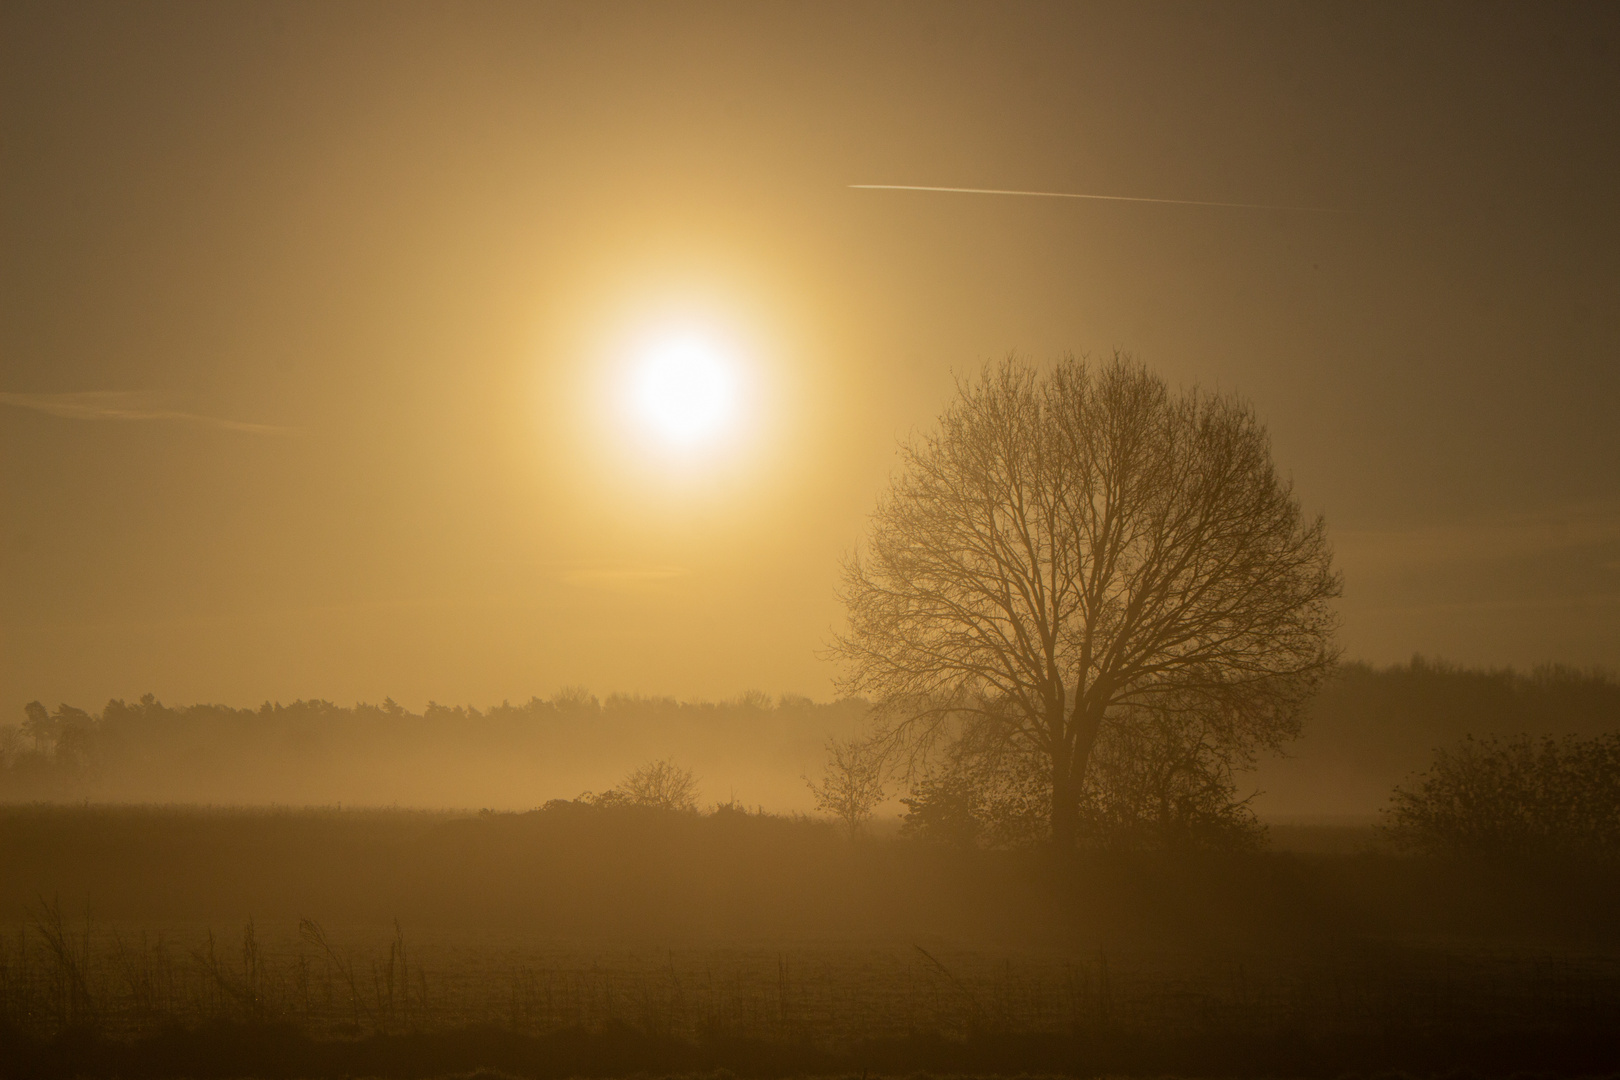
1369 730
754 752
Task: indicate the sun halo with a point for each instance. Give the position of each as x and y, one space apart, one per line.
684 393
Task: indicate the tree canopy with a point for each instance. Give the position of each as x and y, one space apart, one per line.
1077 558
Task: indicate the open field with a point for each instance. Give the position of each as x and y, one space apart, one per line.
578 941
470 1000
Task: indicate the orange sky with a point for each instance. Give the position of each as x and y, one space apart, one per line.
307 309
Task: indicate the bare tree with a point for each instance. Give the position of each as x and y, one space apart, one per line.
851 786
1073 546
663 785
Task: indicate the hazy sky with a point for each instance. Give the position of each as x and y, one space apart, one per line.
311 317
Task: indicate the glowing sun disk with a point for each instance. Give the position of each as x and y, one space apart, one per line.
684 392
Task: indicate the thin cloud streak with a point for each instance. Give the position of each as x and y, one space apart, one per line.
1102 198
624 577
127 405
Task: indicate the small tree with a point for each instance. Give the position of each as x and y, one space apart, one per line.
662 785
575 698
11 744
37 726
851 784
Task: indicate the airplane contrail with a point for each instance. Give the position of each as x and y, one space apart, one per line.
127 405
1104 198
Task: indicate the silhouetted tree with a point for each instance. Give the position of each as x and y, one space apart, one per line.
74 732
851 786
661 785
574 698
1075 548
37 726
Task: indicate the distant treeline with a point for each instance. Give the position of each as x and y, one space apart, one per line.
1370 730
1374 728
752 750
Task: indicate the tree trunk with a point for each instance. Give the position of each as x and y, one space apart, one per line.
1065 805
1069 777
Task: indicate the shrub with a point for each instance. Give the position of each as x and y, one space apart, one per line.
1514 796
658 785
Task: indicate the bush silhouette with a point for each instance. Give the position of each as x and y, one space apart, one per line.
1514 796
658 785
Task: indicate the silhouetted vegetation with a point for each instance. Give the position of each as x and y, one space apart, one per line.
1372 728
1153 782
1097 589
657 785
1515 796
851 785
1366 731
633 929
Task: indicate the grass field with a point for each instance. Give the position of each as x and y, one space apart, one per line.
183 942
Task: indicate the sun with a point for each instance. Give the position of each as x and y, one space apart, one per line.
684 392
